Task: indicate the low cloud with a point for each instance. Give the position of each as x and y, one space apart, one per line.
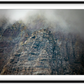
70 20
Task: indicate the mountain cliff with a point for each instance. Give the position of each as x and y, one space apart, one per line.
45 53
10 37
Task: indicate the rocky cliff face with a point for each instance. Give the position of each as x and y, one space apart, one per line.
32 56
70 54
46 54
10 37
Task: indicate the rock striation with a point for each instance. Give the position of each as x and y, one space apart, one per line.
46 54
10 37
32 56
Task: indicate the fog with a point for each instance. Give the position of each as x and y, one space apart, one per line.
69 20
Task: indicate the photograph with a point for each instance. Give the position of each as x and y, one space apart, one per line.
41 41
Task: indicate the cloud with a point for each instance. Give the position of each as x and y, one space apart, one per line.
70 20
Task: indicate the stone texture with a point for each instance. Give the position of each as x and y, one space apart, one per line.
45 53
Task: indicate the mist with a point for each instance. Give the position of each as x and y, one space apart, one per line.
69 20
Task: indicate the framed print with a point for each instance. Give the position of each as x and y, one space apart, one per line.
42 41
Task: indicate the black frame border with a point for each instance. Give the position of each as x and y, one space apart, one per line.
41 81
41 2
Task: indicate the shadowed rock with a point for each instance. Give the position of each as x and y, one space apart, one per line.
42 54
